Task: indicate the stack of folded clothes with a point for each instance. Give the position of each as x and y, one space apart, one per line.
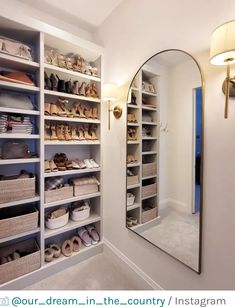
3 123
19 124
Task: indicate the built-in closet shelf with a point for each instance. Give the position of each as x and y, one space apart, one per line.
149 109
150 138
72 142
149 94
133 142
19 111
133 124
133 164
83 251
149 153
132 207
133 186
18 161
140 227
74 120
18 136
133 106
18 63
48 233
149 177
149 123
150 196
20 202
66 95
20 235
79 75
19 87
71 200
73 172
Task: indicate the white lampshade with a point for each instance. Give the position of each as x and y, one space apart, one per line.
223 44
109 92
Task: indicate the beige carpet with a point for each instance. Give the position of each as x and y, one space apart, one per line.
96 273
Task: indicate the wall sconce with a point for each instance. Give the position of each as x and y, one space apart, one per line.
223 53
109 93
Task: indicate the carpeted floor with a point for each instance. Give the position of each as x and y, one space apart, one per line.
96 273
178 235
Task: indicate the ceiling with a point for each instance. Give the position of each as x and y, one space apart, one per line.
88 14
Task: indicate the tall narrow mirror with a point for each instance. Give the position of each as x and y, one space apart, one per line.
164 155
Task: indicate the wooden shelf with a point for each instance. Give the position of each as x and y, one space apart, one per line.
72 199
150 138
149 109
149 177
83 251
18 63
133 164
133 142
18 161
48 233
149 152
133 106
133 124
149 94
133 186
18 136
149 123
74 120
132 207
55 69
150 196
73 172
71 96
18 87
20 202
71 143
20 235
19 111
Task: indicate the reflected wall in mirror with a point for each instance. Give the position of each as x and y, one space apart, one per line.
164 155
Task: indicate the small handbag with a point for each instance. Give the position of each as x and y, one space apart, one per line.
15 101
15 150
15 48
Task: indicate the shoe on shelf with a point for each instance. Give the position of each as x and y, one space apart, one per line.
94 113
93 234
47 132
74 134
75 87
47 168
81 133
49 254
56 250
53 166
53 133
53 109
84 236
82 89
93 163
75 164
77 243
47 108
88 164
67 248
60 132
92 132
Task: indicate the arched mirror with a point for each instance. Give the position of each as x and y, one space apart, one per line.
164 155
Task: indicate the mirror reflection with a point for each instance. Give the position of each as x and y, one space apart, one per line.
164 155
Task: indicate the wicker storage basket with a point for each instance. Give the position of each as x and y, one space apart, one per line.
149 169
131 180
149 190
85 189
58 194
148 215
23 265
17 189
16 223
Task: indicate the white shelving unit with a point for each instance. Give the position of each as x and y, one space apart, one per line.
46 149
145 149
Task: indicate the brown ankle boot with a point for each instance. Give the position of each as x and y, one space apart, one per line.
67 133
60 132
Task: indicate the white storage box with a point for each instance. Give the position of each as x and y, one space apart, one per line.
57 222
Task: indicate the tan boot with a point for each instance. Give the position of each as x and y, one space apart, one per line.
75 136
67 133
47 108
60 132
47 132
53 132
94 113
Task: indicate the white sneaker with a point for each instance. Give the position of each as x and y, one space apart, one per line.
93 163
88 164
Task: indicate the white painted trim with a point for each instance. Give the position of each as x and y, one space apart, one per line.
141 275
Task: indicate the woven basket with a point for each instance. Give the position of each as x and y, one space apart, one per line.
149 215
149 190
17 189
58 194
149 169
17 224
85 189
131 180
23 265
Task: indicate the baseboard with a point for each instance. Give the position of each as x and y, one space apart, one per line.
174 204
145 282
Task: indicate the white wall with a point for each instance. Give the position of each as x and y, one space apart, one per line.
183 79
135 31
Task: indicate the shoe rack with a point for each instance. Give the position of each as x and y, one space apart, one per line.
143 104
46 149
